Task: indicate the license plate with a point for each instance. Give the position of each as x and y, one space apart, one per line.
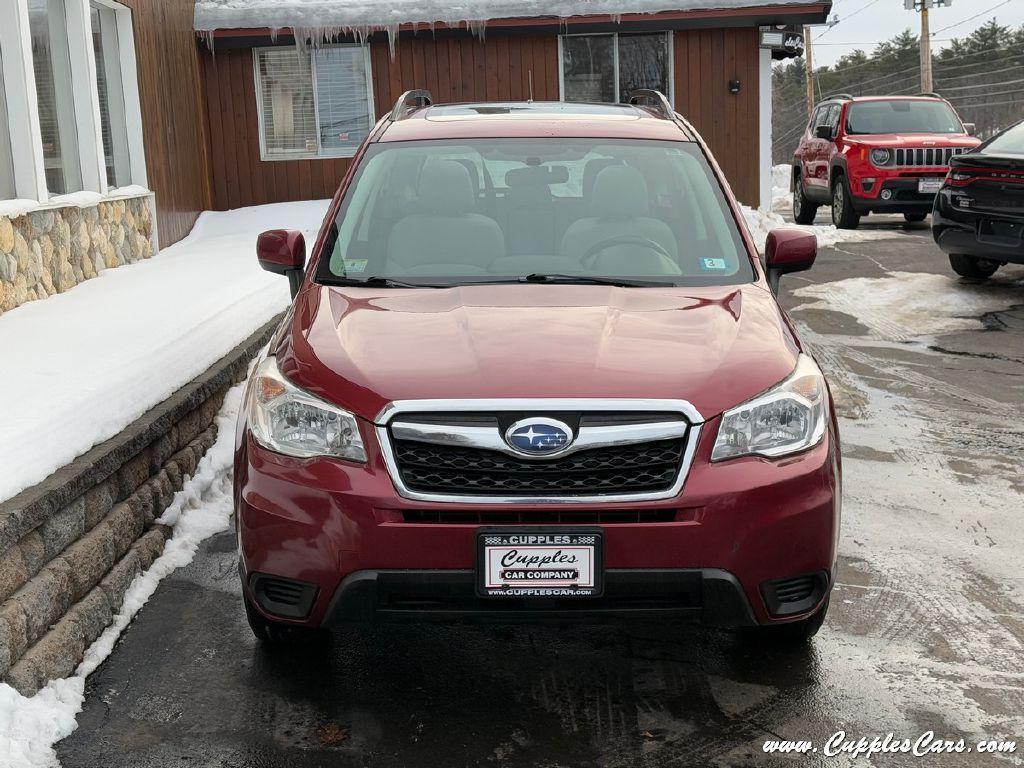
929 186
539 563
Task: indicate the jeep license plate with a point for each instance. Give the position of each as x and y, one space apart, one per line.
929 186
539 563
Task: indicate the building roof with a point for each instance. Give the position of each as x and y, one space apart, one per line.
324 18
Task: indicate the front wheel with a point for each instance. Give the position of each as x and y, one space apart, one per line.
915 218
843 214
972 266
804 210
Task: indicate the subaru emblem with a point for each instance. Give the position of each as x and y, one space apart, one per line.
539 437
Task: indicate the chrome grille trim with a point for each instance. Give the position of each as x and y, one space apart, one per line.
389 418
925 157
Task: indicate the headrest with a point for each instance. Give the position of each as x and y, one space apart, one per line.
445 188
620 192
590 171
537 176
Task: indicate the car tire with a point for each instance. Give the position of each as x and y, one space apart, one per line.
915 218
972 266
794 633
843 214
804 210
274 634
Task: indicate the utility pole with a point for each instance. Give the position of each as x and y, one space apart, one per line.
923 7
809 61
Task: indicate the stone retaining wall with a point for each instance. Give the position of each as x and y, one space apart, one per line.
53 249
70 546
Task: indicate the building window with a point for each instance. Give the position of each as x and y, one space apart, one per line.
7 188
608 67
313 103
52 64
110 90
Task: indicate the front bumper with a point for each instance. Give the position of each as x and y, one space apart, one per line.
957 230
904 197
365 552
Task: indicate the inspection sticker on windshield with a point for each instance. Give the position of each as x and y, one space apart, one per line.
355 265
539 563
713 263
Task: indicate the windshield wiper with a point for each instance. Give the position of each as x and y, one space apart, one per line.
380 282
621 282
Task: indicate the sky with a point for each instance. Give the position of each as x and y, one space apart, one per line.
863 23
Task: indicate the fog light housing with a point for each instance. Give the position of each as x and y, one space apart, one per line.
887 194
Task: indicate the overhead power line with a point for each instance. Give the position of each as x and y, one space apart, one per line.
845 18
972 18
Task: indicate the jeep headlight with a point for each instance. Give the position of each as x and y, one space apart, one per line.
288 420
881 156
786 419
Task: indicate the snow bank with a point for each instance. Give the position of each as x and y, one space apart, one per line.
781 196
29 727
82 365
760 223
321 18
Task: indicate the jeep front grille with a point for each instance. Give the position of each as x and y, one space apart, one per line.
926 157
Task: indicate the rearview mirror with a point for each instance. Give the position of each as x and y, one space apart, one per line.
788 250
970 128
283 252
823 132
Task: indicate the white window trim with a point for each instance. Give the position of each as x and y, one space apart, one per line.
615 59
320 154
23 109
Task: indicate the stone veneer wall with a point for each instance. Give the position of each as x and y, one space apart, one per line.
70 546
53 249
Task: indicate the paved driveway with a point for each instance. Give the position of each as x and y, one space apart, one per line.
925 631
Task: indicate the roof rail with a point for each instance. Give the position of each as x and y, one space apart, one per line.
409 101
930 94
834 96
662 103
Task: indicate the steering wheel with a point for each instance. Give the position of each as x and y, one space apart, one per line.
590 256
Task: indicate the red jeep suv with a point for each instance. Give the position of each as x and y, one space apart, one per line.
876 155
535 370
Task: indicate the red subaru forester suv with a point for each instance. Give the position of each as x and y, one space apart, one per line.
535 370
876 155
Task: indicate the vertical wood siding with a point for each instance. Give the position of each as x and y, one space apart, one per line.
173 113
705 61
466 69
452 68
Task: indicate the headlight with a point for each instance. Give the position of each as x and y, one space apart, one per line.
881 156
786 419
287 420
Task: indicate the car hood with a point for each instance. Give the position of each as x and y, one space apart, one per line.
900 140
362 348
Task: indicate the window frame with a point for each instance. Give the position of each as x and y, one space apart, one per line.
321 153
670 53
22 98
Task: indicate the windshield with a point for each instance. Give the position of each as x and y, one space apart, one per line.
1010 142
456 212
902 116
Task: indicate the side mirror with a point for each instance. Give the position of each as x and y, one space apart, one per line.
971 128
823 132
283 252
788 250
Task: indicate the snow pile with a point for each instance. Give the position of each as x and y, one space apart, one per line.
321 19
12 209
82 365
760 223
782 198
29 727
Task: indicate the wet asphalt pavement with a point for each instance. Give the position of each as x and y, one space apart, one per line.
926 630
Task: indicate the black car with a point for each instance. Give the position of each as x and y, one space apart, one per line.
979 212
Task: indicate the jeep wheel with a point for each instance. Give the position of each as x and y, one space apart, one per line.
972 266
843 215
914 218
804 210
275 634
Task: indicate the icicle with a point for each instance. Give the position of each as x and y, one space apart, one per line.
392 31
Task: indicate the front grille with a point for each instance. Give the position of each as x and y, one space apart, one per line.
924 157
637 468
529 517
